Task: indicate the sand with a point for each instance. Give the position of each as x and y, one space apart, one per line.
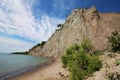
52 71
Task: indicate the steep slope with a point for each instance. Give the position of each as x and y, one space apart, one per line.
109 71
82 23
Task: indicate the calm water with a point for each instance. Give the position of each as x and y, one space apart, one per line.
10 63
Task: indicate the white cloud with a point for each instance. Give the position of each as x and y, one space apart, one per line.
16 18
13 45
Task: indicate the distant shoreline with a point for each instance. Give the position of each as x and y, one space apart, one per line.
22 53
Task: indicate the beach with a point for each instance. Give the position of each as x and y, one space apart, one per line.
51 71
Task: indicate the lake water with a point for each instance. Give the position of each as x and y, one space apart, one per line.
11 64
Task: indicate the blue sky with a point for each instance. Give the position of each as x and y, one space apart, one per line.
24 23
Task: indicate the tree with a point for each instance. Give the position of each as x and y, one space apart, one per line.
59 25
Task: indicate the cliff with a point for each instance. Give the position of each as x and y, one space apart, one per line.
82 23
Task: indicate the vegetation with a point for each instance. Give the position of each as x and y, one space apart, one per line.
97 52
40 44
23 53
59 25
79 61
117 63
114 40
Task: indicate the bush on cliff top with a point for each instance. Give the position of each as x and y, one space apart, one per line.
40 44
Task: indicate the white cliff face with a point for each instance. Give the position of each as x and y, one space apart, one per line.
82 23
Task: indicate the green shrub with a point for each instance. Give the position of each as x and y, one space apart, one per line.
40 44
114 39
86 45
79 61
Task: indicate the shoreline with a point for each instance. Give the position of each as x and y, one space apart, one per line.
51 71
24 71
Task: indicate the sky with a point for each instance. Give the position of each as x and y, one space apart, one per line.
25 23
